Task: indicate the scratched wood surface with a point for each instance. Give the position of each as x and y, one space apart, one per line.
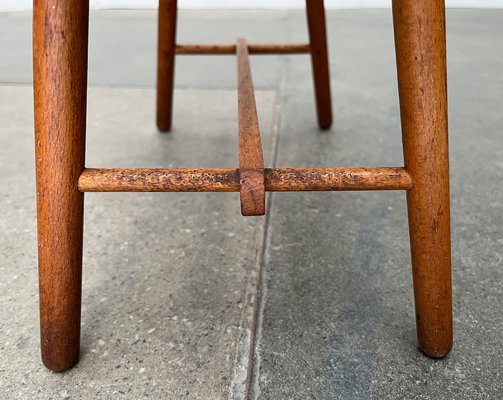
227 179
60 37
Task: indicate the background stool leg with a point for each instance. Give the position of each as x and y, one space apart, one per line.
60 36
166 42
315 10
421 60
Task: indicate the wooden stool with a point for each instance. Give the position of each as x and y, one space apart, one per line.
60 43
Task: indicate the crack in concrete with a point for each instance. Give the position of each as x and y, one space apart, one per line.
252 389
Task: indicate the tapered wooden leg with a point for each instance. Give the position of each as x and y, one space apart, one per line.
60 35
421 58
166 42
319 59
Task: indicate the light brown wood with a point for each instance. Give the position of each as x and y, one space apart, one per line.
227 180
60 40
167 16
251 159
336 179
320 61
230 49
60 30
421 61
160 180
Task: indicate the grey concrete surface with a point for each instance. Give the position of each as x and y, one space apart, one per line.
169 278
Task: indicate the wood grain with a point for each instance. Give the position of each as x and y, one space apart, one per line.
320 61
60 30
160 180
421 60
227 179
336 179
60 41
251 159
166 40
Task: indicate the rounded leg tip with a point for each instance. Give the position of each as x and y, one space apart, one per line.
325 123
60 367
60 364
163 123
163 128
436 352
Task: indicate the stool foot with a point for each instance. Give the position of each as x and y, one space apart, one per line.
315 10
421 60
60 35
166 42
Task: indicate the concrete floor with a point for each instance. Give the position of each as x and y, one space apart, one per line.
169 279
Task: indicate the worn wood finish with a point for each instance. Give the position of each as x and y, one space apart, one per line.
160 180
251 159
227 179
336 179
421 61
319 59
230 49
166 38
60 30
60 34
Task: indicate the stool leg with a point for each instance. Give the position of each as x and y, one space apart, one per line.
421 61
60 40
166 42
315 10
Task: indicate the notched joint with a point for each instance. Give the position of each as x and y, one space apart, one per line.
252 191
